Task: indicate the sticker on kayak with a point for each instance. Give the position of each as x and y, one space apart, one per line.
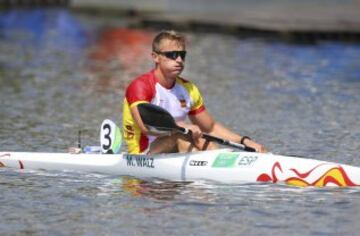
247 160
139 161
228 160
198 163
225 160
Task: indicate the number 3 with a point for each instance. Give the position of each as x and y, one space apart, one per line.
106 127
110 137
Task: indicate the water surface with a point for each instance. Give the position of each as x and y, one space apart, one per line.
61 72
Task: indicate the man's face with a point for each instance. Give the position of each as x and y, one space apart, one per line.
170 67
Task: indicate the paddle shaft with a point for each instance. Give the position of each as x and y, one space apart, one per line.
218 140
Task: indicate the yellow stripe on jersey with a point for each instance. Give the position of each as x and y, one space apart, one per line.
131 131
197 100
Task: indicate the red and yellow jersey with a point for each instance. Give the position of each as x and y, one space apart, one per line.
182 99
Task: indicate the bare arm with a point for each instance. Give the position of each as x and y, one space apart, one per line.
136 115
209 125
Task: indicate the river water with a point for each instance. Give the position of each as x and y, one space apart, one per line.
61 72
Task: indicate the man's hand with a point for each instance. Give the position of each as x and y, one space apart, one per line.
74 150
258 147
196 133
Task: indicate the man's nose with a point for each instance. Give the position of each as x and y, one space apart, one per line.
179 59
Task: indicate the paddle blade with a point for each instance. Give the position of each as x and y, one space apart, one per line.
156 118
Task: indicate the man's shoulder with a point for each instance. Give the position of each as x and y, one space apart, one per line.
141 89
186 83
182 80
146 79
148 76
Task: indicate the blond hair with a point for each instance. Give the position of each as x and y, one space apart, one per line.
167 34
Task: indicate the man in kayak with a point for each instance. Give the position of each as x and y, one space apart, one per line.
164 87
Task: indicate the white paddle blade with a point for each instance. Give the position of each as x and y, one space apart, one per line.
110 137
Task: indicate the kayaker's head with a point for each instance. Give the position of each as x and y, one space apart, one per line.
168 53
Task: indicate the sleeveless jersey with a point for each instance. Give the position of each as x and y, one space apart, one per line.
181 100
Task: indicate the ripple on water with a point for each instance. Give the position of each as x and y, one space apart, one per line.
63 72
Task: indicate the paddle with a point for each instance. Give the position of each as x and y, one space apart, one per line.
161 120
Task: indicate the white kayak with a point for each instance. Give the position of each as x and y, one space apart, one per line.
223 166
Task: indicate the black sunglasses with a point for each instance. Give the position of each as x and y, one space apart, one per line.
173 55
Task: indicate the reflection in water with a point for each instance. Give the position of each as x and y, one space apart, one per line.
209 193
159 190
177 192
39 45
117 56
39 24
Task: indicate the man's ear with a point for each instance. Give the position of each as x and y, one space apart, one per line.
155 57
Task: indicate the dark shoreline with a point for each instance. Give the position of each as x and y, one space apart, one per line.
274 21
